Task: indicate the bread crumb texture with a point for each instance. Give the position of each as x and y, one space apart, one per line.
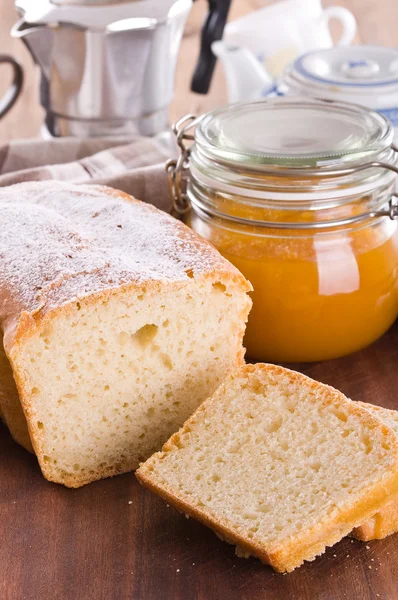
278 464
118 321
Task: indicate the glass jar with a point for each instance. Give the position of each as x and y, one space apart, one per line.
298 195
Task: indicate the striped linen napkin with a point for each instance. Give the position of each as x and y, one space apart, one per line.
135 166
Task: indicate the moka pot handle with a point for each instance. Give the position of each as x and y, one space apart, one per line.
212 30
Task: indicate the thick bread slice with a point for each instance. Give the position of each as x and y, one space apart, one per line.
278 464
117 322
385 521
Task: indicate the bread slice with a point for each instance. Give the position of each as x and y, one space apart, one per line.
118 322
278 464
385 521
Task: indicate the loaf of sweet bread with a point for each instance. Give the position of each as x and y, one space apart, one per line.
117 322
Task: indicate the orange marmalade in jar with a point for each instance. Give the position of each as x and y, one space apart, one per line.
299 196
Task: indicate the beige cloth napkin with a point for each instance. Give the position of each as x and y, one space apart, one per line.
136 167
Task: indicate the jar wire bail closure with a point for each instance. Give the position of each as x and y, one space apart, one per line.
175 168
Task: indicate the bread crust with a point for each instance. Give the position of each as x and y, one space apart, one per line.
20 312
385 521
300 547
24 313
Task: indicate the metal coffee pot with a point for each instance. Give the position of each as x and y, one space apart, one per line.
107 68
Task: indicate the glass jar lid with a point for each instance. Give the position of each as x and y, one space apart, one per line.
350 66
293 132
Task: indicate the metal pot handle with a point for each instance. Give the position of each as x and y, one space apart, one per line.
212 30
11 95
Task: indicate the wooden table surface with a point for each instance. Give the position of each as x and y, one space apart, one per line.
92 544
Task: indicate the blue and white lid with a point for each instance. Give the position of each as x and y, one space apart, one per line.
352 66
366 75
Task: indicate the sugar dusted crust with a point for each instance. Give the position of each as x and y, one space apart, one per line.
306 545
61 242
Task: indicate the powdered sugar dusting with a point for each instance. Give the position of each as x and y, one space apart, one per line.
59 242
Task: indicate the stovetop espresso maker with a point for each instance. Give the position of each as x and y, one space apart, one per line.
107 68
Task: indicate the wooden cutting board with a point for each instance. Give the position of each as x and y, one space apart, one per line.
112 540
